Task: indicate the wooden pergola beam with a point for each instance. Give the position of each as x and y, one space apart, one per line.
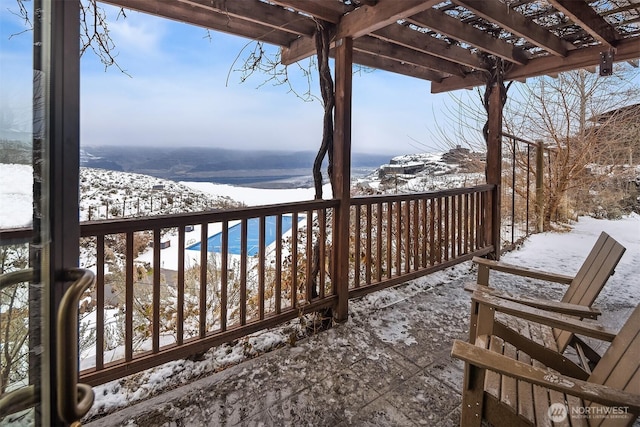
355 24
402 54
404 36
327 11
260 13
451 27
516 23
584 15
367 59
208 19
626 50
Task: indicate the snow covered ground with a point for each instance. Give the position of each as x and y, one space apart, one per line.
258 196
15 195
107 194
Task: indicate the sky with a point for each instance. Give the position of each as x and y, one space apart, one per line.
180 89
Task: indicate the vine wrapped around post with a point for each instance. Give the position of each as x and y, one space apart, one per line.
495 79
322 39
327 90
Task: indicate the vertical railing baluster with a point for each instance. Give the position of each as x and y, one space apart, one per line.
379 259
261 258
294 259
204 252
389 238
100 301
423 232
224 274
447 240
406 235
180 287
432 232
155 305
398 238
479 209
470 224
278 266
452 227
356 251
128 316
466 216
309 257
368 252
437 237
416 234
243 271
322 240
461 239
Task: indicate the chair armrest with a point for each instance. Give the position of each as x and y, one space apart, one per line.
523 271
554 320
554 306
487 359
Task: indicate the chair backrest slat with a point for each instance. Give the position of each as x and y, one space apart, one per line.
599 265
619 367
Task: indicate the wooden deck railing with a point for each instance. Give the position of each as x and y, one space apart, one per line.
401 237
226 288
174 302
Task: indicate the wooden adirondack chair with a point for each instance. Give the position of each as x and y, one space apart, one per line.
582 291
508 386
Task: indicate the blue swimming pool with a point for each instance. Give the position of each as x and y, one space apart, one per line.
214 243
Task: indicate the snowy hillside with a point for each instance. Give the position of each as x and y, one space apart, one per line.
115 194
105 194
419 172
109 194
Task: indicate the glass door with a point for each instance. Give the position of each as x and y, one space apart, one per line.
39 225
19 293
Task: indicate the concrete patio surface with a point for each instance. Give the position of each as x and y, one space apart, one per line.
389 366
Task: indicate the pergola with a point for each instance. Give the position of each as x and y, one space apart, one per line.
450 43
453 44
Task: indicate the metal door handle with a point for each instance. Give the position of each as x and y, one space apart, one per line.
74 399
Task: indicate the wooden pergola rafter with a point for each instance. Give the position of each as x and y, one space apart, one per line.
446 43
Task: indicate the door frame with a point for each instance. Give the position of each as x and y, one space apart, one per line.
56 154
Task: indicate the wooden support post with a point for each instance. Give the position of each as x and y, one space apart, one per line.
540 187
494 163
342 173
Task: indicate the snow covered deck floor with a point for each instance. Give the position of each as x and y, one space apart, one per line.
389 366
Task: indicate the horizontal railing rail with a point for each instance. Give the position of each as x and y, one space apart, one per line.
169 287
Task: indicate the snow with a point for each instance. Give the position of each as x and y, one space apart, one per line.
564 253
15 195
105 194
258 196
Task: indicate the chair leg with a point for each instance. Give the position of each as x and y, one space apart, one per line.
472 396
